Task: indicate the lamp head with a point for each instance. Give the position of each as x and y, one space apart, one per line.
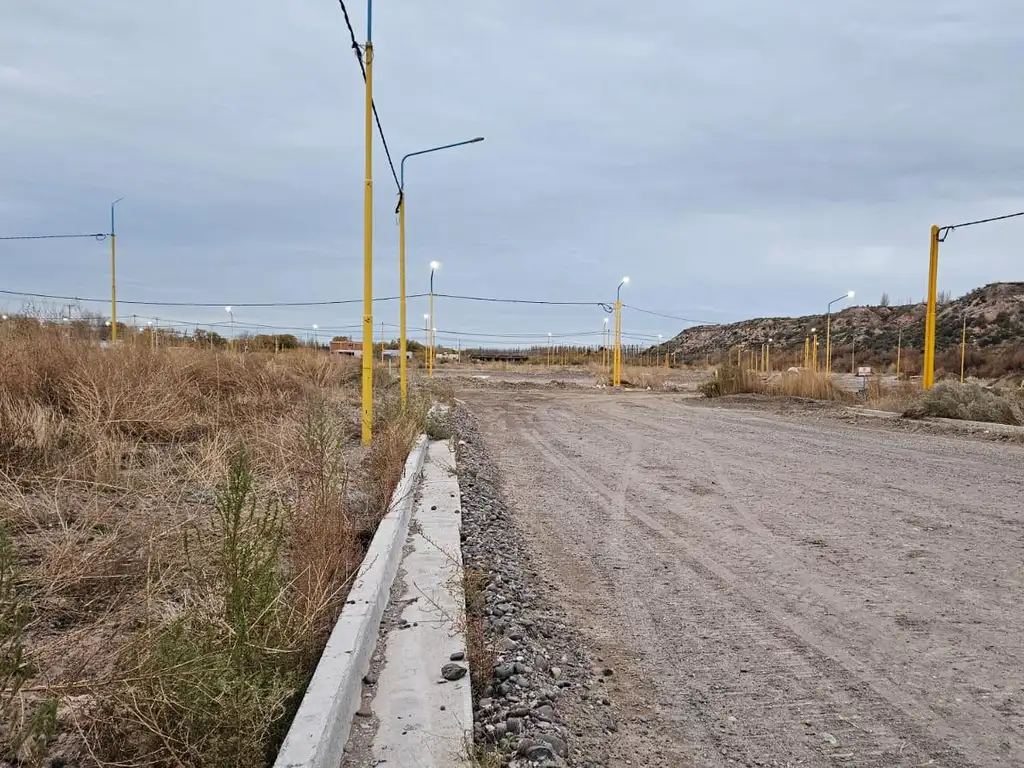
625 281
315 326
426 317
227 309
435 264
814 330
478 138
850 294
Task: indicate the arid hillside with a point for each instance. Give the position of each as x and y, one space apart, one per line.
995 333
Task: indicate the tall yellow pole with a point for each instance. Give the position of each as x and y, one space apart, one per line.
828 344
430 352
113 273
928 377
963 348
768 358
403 373
367 415
814 359
113 287
617 366
807 351
899 351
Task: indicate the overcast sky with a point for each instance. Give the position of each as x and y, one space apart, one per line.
735 158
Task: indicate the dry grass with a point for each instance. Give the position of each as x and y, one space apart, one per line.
732 380
971 402
634 376
181 526
481 657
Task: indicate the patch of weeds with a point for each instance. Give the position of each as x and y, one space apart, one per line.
970 402
213 684
481 657
26 726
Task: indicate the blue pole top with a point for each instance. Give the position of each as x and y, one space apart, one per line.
369 20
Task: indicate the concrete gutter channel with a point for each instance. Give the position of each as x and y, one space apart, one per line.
417 716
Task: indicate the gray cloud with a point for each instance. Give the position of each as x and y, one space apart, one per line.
735 158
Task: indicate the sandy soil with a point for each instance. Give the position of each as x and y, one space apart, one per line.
772 591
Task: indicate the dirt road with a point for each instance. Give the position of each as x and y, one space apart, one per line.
773 591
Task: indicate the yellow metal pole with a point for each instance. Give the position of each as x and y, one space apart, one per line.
807 351
767 358
899 351
666 360
814 360
113 285
367 393
963 348
928 377
403 373
828 344
617 369
430 352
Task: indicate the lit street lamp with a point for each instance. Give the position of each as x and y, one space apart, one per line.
828 332
231 344
403 376
617 365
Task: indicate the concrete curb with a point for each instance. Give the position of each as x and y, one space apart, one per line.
320 729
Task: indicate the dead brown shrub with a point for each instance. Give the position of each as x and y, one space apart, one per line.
113 465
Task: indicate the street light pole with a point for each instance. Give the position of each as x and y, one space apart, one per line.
963 348
403 373
828 332
113 274
430 367
617 365
367 362
814 345
231 343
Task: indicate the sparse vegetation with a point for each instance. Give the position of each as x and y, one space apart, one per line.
178 528
732 380
971 402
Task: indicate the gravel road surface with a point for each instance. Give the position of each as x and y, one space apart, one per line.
776 591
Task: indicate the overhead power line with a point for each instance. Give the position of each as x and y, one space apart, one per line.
943 231
671 317
94 235
335 302
362 68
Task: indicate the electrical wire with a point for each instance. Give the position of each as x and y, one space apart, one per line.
362 68
670 317
265 304
101 236
943 231
494 300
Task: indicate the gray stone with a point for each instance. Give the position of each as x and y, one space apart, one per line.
558 746
364 711
544 712
453 671
457 656
503 671
370 679
514 725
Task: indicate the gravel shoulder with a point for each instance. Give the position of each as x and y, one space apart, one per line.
769 588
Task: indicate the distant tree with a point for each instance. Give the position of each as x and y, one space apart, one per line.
944 297
884 301
209 338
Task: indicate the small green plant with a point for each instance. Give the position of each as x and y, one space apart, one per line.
214 684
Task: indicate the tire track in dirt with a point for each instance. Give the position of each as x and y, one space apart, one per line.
666 583
842 717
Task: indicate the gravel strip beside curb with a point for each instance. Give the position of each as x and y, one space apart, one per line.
544 705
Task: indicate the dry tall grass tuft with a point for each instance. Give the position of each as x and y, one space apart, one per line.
184 524
971 402
733 380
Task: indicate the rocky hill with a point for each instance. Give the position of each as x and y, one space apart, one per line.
995 329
